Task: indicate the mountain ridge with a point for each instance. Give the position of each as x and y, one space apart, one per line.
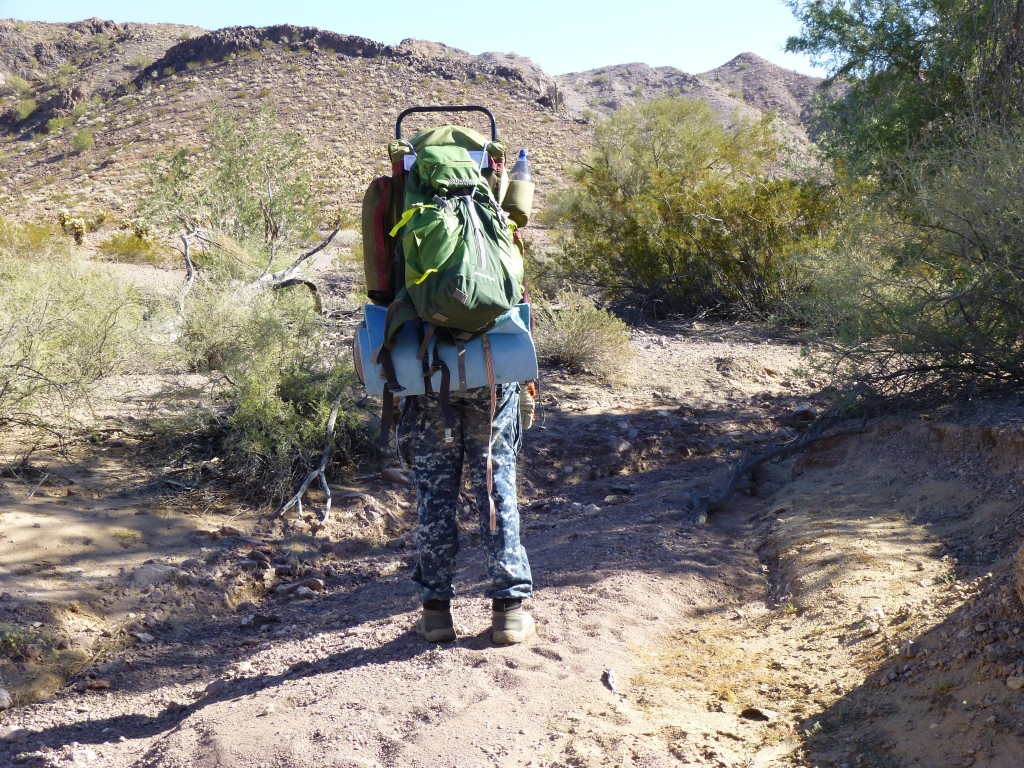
142 89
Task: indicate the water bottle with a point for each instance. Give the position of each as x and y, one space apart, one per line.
518 200
521 168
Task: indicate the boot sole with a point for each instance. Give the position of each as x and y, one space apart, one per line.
513 636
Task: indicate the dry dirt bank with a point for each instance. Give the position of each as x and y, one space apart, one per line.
843 615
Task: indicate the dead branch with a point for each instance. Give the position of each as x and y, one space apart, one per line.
320 471
190 272
700 507
288 277
309 284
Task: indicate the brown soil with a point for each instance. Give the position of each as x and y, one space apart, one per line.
856 607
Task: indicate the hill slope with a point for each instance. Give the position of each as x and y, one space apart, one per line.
143 89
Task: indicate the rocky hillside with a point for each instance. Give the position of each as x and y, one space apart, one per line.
139 90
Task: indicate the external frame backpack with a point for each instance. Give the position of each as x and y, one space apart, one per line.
444 259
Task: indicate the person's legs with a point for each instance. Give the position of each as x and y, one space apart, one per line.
507 563
437 473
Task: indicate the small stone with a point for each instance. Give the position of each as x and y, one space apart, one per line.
1015 683
15 735
83 756
921 565
6 702
874 614
394 476
151 574
304 593
215 688
870 629
591 509
759 714
144 637
267 710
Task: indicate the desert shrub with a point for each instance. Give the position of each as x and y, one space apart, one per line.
270 346
572 331
24 108
57 124
18 84
65 325
83 140
140 62
78 223
130 247
251 187
939 309
672 212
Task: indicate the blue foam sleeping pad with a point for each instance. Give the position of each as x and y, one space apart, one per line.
512 353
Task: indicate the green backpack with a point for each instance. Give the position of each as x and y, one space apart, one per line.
462 269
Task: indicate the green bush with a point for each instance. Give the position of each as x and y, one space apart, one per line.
571 331
674 213
942 310
130 247
24 108
65 326
57 124
251 188
83 140
271 347
18 84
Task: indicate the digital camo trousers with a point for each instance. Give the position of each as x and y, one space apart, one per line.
437 472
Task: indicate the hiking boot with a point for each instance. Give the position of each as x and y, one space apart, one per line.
511 625
435 625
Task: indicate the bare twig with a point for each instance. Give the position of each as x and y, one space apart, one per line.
190 271
320 471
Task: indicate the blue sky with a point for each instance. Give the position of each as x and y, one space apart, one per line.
560 36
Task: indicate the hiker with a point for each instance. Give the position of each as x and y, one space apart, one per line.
448 333
437 472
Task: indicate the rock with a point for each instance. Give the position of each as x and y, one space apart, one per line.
1015 683
870 629
608 678
144 637
215 688
151 574
759 714
6 702
874 614
591 510
304 593
394 476
83 756
14 735
1018 570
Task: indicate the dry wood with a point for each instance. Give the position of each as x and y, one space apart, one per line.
320 471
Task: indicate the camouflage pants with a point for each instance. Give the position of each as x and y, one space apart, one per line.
437 471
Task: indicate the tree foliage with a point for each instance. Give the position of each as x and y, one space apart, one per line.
912 70
675 213
250 187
